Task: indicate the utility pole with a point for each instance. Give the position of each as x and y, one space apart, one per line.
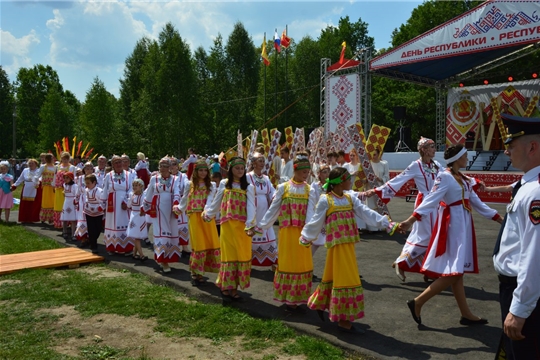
14 150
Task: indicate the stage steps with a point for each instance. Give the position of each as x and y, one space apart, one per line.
69 256
494 160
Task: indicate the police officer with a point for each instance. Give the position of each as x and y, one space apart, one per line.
517 251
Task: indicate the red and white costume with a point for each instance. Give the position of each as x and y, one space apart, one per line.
163 195
82 229
116 189
68 210
424 175
183 229
452 244
263 246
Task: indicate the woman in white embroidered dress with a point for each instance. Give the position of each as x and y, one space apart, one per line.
183 230
452 244
264 246
30 197
82 228
424 172
163 192
116 189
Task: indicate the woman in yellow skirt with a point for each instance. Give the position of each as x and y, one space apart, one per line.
293 277
198 195
340 291
235 200
46 173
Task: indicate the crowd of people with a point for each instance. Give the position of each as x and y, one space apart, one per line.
225 224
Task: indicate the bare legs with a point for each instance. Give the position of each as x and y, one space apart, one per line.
456 282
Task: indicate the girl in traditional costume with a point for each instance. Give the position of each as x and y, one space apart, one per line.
162 191
61 170
81 232
452 243
293 277
198 195
183 230
423 171
340 291
69 214
137 230
6 196
30 196
264 248
235 200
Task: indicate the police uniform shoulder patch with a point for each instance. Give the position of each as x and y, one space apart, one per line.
534 212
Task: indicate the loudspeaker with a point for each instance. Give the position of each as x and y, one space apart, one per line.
390 145
400 112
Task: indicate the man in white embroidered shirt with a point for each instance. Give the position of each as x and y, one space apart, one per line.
517 251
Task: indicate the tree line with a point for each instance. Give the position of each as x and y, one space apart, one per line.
172 98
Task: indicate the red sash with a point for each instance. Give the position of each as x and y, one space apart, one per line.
110 202
445 222
152 212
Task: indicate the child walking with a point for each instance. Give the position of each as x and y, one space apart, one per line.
93 210
69 214
137 229
6 196
198 195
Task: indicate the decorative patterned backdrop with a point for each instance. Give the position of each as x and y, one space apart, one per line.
343 107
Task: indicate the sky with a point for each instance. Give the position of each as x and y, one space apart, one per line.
83 40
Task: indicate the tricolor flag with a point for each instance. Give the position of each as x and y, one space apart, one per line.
264 55
285 40
277 42
342 56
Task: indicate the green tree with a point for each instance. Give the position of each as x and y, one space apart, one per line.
99 120
7 108
56 119
31 88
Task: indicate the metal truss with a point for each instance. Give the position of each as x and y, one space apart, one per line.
325 63
441 94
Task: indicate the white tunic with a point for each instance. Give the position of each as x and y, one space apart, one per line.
424 176
519 252
137 223
264 246
68 210
215 207
116 189
183 230
82 228
452 248
30 178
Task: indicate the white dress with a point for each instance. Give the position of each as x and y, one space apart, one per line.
164 194
183 229
116 189
68 210
452 244
137 223
424 175
82 228
263 246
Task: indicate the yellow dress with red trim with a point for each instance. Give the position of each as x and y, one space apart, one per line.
237 209
163 194
340 291
46 214
206 254
452 244
294 273
116 189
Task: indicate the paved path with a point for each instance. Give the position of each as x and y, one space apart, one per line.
390 330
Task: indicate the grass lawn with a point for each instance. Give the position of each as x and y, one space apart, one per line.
78 314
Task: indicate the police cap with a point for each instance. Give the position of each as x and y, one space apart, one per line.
518 126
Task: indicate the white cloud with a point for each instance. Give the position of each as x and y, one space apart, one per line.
15 52
93 35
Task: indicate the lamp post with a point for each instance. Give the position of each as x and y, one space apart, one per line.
14 150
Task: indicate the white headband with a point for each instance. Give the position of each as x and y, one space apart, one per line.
457 156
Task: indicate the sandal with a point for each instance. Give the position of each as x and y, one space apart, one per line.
196 282
237 297
143 258
136 257
226 296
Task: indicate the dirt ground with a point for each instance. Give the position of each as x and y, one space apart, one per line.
138 338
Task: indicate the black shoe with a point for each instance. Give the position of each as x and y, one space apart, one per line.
95 251
185 254
469 322
315 278
353 330
295 310
83 245
411 304
321 315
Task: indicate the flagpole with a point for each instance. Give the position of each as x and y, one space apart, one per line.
286 76
265 84
276 84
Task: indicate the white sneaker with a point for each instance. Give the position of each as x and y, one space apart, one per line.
166 268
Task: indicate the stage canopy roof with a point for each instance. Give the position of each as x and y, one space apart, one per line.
496 31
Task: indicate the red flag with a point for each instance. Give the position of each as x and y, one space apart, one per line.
285 40
342 56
